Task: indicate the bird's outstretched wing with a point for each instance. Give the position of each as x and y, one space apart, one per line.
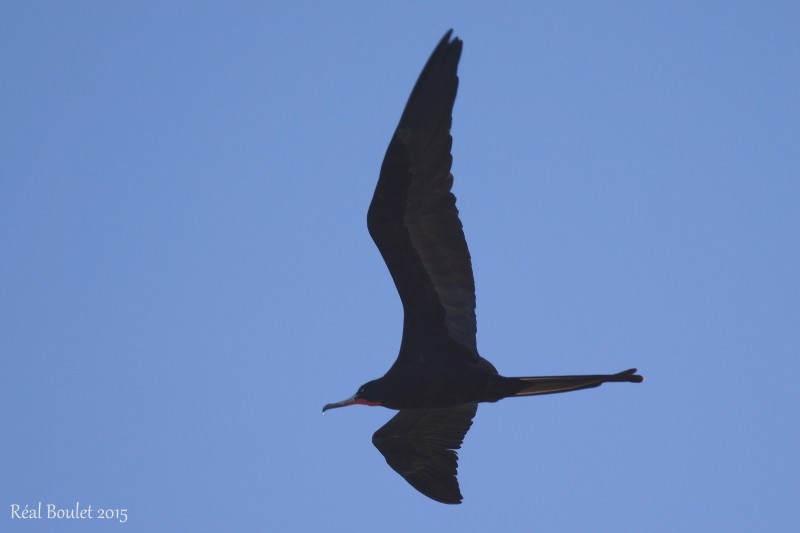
413 217
420 444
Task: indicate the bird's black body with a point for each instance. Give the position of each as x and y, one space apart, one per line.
438 378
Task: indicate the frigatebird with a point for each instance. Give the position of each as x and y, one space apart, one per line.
438 378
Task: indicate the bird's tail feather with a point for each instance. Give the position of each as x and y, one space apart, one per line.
531 386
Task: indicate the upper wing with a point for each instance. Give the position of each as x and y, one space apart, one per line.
413 217
420 444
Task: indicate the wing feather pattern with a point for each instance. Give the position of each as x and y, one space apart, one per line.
413 217
420 444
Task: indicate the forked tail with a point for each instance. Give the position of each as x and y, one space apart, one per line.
531 386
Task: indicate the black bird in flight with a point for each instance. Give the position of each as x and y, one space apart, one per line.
438 378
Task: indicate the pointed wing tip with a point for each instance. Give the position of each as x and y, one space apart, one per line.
450 40
449 501
448 52
449 493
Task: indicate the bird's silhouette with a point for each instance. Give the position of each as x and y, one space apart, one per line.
438 378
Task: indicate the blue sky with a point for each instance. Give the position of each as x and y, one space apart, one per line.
187 276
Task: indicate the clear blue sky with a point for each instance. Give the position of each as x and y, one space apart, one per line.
186 274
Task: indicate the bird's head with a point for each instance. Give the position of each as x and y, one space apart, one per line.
367 394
